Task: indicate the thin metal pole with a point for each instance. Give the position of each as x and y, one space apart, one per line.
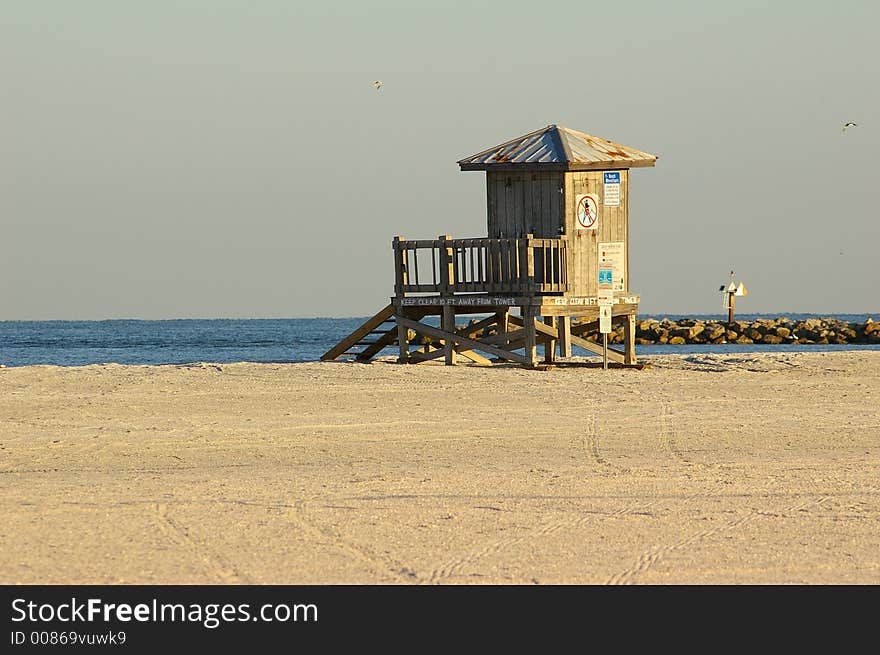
604 351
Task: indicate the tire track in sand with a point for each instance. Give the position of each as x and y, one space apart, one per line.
384 568
456 566
667 435
591 446
654 554
179 535
591 438
591 441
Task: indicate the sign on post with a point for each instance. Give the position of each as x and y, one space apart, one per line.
604 319
605 297
605 291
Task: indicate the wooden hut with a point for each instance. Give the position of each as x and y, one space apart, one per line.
557 219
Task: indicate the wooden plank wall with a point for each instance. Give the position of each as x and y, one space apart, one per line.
613 226
524 202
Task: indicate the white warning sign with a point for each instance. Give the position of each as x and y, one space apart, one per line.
612 254
587 211
611 191
604 319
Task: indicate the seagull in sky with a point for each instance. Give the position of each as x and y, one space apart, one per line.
378 84
849 124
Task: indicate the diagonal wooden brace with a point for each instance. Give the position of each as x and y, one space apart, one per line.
458 339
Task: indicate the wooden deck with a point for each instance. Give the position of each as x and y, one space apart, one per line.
521 283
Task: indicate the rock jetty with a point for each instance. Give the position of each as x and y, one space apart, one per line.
783 330
764 330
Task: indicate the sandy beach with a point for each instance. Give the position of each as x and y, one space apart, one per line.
697 469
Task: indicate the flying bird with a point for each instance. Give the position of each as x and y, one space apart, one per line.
378 84
849 124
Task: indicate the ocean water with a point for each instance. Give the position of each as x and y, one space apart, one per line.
180 341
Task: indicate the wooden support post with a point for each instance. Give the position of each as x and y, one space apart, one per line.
730 303
447 290
629 339
503 320
401 277
550 344
448 325
402 339
563 326
531 335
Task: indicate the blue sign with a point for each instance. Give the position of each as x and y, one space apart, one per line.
612 178
605 277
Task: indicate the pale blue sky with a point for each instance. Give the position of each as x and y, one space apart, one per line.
232 159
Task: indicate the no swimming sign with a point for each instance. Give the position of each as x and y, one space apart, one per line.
587 211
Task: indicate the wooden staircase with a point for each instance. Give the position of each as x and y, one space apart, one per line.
369 339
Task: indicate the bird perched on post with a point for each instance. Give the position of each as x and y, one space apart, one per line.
378 84
849 124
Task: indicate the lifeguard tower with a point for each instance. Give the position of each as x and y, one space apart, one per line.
556 252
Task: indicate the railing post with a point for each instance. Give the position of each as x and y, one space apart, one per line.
506 268
563 265
523 264
447 270
401 277
447 286
527 266
492 265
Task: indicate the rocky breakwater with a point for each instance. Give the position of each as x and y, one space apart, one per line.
764 330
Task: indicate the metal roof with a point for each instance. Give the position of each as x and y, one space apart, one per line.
557 148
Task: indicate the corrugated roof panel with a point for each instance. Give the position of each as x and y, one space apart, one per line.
560 148
534 150
531 148
589 148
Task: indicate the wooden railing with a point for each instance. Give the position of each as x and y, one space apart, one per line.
525 266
